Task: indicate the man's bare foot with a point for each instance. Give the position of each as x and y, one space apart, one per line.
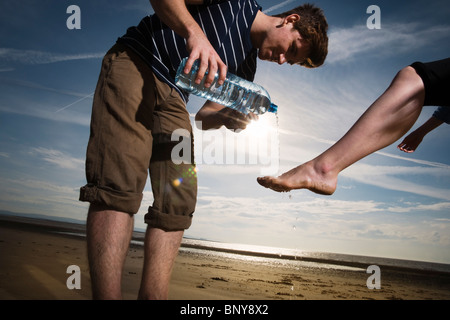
304 176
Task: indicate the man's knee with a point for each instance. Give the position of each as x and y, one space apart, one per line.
409 84
409 75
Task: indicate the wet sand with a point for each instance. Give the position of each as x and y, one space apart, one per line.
34 262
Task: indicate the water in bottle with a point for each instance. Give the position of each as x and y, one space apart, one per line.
236 93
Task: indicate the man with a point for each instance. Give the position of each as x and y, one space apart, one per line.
137 107
385 121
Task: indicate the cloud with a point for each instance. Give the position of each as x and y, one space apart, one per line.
38 86
38 110
419 161
318 223
411 207
59 158
276 209
381 153
42 197
33 57
386 177
378 234
75 102
392 39
301 210
41 185
277 6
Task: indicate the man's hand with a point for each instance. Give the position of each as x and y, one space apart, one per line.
175 14
235 120
213 116
200 48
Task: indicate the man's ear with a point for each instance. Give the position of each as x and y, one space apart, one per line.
292 18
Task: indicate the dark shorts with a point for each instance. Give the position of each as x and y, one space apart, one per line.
133 118
436 78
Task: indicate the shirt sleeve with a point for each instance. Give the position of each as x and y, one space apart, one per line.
443 114
247 68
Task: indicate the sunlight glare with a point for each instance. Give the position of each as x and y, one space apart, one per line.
260 127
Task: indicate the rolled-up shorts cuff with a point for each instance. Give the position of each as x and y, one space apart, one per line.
167 222
112 199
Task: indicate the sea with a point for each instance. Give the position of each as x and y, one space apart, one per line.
294 258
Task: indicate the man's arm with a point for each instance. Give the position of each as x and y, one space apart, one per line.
412 141
213 116
176 16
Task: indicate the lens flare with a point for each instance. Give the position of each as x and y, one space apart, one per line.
177 182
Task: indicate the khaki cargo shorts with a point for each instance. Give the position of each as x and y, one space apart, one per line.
133 118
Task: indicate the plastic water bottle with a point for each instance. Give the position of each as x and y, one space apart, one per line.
236 93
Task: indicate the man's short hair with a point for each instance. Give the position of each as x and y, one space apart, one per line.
313 27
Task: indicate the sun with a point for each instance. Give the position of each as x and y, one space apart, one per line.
260 127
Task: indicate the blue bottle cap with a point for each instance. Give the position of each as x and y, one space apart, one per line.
273 108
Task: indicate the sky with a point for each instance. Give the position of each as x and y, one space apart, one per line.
390 204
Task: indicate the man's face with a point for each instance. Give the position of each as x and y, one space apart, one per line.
284 44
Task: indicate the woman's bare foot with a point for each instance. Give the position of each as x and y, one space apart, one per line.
304 176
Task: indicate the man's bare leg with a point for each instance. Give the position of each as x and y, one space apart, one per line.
108 237
385 121
160 250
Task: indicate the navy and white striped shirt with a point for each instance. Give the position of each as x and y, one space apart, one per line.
226 24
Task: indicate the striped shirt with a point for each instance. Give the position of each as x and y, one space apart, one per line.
227 26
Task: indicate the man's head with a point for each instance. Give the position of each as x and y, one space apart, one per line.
299 37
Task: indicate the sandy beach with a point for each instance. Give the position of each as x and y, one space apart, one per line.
34 261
